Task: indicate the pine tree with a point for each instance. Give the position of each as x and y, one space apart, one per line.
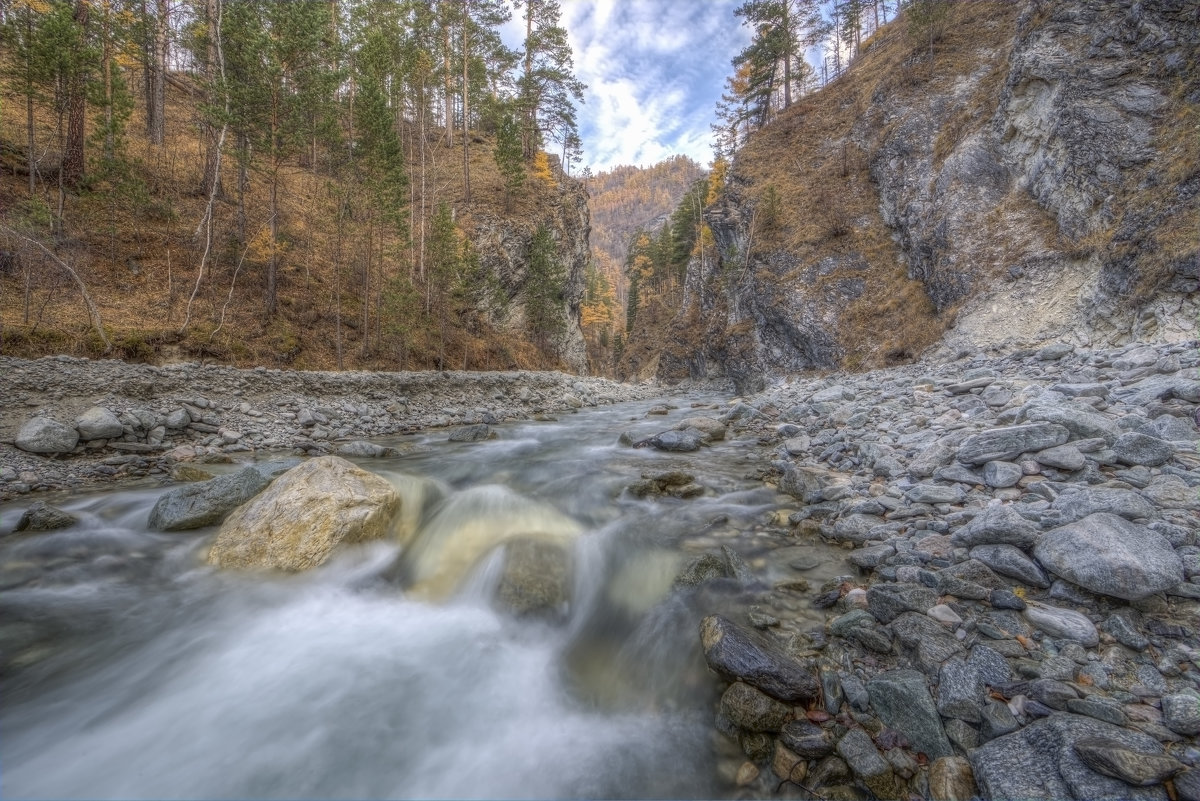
548 87
544 284
508 156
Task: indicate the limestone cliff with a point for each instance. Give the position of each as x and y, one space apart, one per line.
503 243
1038 177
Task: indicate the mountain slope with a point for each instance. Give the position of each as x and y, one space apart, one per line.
1037 178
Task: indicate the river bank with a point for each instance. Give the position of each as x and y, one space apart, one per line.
159 416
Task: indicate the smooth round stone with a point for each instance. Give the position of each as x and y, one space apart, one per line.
1064 623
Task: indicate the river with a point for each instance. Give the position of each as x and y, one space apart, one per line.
132 670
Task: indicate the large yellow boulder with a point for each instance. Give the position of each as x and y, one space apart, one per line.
297 522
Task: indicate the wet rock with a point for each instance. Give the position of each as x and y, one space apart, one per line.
1006 443
713 429
305 514
951 779
1011 561
806 739
1112 556
43 435
1181 713
44 517
1063 623
739 655
754 710
685 441
873 557
536 580
902 700
809 483
361 449
788 765
205 503
98 423
472 433
1040 761
1133 448
867 764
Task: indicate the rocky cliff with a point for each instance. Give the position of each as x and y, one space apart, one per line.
504 241
1036 177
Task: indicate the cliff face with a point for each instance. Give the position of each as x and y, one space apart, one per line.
503 244
1040 178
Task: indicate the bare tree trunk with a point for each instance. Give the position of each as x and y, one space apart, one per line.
29 105
73 163
465 104
156 123
212 147
273 263
448 78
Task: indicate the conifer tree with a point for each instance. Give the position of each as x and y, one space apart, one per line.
544 286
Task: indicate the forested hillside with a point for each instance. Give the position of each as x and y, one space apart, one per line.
347 184
624 201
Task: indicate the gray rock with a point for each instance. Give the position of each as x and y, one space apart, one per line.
1052 693
177 420
924 641
873 557
960 691
1109 555
684 441
1040 762
98 423
887 601
754 710
1081 503
44 517
1004 444
1098 708
205 503
361 449
1181 713
1008 560
1187 785
1112 758
1063 623
856 528
903 702
472 433
739 655
43 435
997 525
999 475
867 764
1083 423
1064 457
806 739
932 457
996 720
1133 448
1054 351
1122 625
935 493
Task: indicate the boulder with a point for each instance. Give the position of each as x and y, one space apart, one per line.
951 779
738 655
754 710
306 513
713 429
901 699
43 435
997 525
868 765
361 449
1040 761
472 433
205 503
1081 503
98 423
675 441
1111 556
1082 422
1006 443
1133 448
1181 713
44 517
1112 758
536 580
1008 560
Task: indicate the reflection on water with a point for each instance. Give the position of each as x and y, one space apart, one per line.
133 671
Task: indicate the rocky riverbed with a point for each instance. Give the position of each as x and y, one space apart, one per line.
1024 620
67 423
1025 530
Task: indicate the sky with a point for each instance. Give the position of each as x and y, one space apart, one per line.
654 71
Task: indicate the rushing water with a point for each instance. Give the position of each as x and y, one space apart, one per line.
134 671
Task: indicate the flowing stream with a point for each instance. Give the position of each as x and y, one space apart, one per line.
132 670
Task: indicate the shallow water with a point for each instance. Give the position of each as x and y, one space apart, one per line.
134 671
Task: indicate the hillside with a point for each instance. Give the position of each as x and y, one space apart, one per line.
342 232
1035 176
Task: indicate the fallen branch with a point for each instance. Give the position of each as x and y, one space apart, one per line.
93 312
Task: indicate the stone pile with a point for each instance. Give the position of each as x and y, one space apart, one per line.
1025 620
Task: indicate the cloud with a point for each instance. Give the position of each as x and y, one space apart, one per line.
654 70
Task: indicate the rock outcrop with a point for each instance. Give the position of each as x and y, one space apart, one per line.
1038 180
